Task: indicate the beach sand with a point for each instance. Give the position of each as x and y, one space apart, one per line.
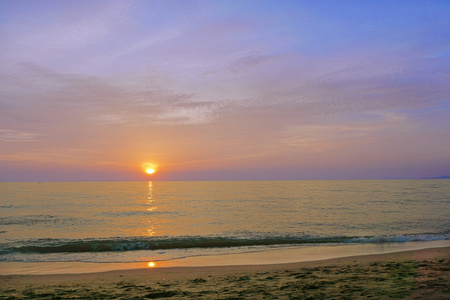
417 274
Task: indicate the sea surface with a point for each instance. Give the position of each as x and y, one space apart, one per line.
115 222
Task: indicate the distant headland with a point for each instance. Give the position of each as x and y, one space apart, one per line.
440 177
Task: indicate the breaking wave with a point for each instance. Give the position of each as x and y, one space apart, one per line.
46 246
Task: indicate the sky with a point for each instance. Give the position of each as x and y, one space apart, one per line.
224 90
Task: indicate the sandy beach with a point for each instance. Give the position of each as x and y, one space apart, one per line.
417 274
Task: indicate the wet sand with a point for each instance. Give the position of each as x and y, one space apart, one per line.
418 274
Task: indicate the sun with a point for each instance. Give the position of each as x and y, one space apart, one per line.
149 168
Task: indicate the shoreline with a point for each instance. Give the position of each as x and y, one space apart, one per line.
269 257
413 273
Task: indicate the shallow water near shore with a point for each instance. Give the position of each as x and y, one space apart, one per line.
141 222
268 257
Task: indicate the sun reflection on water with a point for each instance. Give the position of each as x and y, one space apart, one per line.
150 208
150 191
151 264
151 230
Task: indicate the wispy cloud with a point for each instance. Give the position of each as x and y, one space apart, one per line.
46 155
248 62
10 135
322 138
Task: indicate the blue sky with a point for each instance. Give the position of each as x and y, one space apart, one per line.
224 90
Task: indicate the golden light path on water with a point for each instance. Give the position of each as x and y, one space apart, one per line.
150 230
150 208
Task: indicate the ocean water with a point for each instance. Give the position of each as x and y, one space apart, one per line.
114 222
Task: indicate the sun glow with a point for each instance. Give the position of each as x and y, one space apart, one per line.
149 168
